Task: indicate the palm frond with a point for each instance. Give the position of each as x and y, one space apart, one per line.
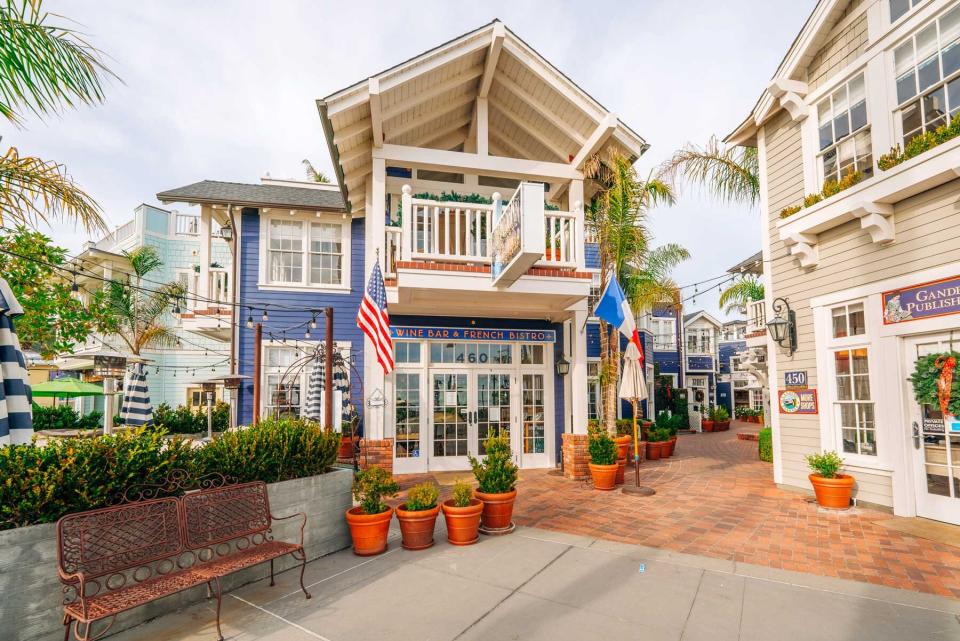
144 260
313 174
45 66
731 174
33 190
736 296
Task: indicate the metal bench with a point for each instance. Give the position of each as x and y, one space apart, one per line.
117 558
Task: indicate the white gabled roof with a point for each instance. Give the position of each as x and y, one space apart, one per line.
695 316
535 112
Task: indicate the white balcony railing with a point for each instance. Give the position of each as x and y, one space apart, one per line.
561 246
756 316
117 236
219 286
391 252
186 225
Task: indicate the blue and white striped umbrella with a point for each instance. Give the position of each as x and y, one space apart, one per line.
315 385
16 415
136 410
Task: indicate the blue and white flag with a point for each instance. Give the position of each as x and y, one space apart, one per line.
614 309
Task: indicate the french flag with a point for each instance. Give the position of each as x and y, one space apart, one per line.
614 309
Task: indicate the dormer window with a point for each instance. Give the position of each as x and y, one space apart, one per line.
844 131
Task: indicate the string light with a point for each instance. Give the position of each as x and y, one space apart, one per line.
306 334
313 322
265 317
250 321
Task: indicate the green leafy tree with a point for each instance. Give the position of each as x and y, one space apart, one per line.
736 296
53 320
313 174
44 67
729 174
136 311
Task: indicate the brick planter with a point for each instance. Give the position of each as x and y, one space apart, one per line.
576 456
376 453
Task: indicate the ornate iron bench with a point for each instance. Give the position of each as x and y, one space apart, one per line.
117 558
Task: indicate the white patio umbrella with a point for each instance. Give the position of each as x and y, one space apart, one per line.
633 388
16 415
136 410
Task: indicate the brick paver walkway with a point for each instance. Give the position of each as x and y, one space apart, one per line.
714 498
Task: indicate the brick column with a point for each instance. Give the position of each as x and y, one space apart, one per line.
376 453
576 456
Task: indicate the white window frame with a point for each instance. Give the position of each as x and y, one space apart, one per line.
594 284
700 333
304 348
659 344
887 8
851 135
594 382
305 219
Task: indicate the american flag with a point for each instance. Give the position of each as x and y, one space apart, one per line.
373 319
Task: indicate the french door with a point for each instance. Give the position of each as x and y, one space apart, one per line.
935 442
451 427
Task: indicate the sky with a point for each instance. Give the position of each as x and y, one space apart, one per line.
226 91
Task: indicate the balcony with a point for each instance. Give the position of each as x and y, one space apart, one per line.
508 257
756 323
209 312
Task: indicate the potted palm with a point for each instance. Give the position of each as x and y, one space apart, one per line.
833 489
603 460
708 423
370 521
721 419
418 516
462 514
497 478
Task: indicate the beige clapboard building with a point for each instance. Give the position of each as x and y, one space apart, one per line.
872 273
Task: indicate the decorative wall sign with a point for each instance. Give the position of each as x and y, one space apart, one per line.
797 379
926 300
474 334
798 401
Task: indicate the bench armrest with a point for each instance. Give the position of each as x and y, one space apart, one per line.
78 582
303 525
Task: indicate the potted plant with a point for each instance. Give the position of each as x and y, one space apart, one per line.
655 441
721 419
370 521
709 423
603 460
833 489
462 514
497 479
624 442
418 516
672 428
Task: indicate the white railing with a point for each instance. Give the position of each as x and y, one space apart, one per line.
118 235
756 316
391 252
186 225
560 239
219 286
451 231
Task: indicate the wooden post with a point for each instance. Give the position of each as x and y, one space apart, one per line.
328 373
257 348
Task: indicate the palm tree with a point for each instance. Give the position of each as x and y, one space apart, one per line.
135 313
745 290
45 67
617 216
313 174
730 174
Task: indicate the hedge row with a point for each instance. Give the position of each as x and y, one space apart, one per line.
39 484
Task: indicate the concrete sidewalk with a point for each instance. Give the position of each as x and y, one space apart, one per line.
537 584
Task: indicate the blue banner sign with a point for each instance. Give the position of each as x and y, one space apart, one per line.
926 300
474 334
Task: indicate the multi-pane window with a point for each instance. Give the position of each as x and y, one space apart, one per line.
664 337
493 407
593 390
700 341
406 352
848 320
531 354
928 76
853 406
899 8
844 132
300 253
407 397
594 295
449 414
470 353
534 426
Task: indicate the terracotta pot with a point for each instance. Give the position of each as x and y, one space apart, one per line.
723 425
369 531
671 446
604 476
497 509
417 527
623 445
707 425
621 467
833 493
346 447
463 523
653 450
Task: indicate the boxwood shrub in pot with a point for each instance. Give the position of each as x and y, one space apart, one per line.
496 476
462 515
832 488
603 460
370 521
418 516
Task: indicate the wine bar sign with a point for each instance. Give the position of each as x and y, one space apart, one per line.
926 300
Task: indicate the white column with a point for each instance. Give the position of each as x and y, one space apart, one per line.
482 127
575 196
203 256
578 372
374 230
406 236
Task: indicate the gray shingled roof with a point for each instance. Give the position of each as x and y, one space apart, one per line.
752 265
215 191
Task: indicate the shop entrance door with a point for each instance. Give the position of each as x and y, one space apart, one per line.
935 442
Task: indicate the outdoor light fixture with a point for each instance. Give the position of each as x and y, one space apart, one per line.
265 317
313 323
226 233
562 366
250 321
783 328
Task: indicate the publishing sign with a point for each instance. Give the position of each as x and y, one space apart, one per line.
474 334
926 300
798 401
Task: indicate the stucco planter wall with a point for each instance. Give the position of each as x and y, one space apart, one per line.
30 594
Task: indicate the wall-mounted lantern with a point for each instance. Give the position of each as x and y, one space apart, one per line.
783 327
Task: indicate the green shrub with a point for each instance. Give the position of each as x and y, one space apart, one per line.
39 484
721 414
369 488
826 464
273 450
603 451
183 420
657 435
462 494
422 497
63 417
766 445
497 473
625 426
812 199
786 212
